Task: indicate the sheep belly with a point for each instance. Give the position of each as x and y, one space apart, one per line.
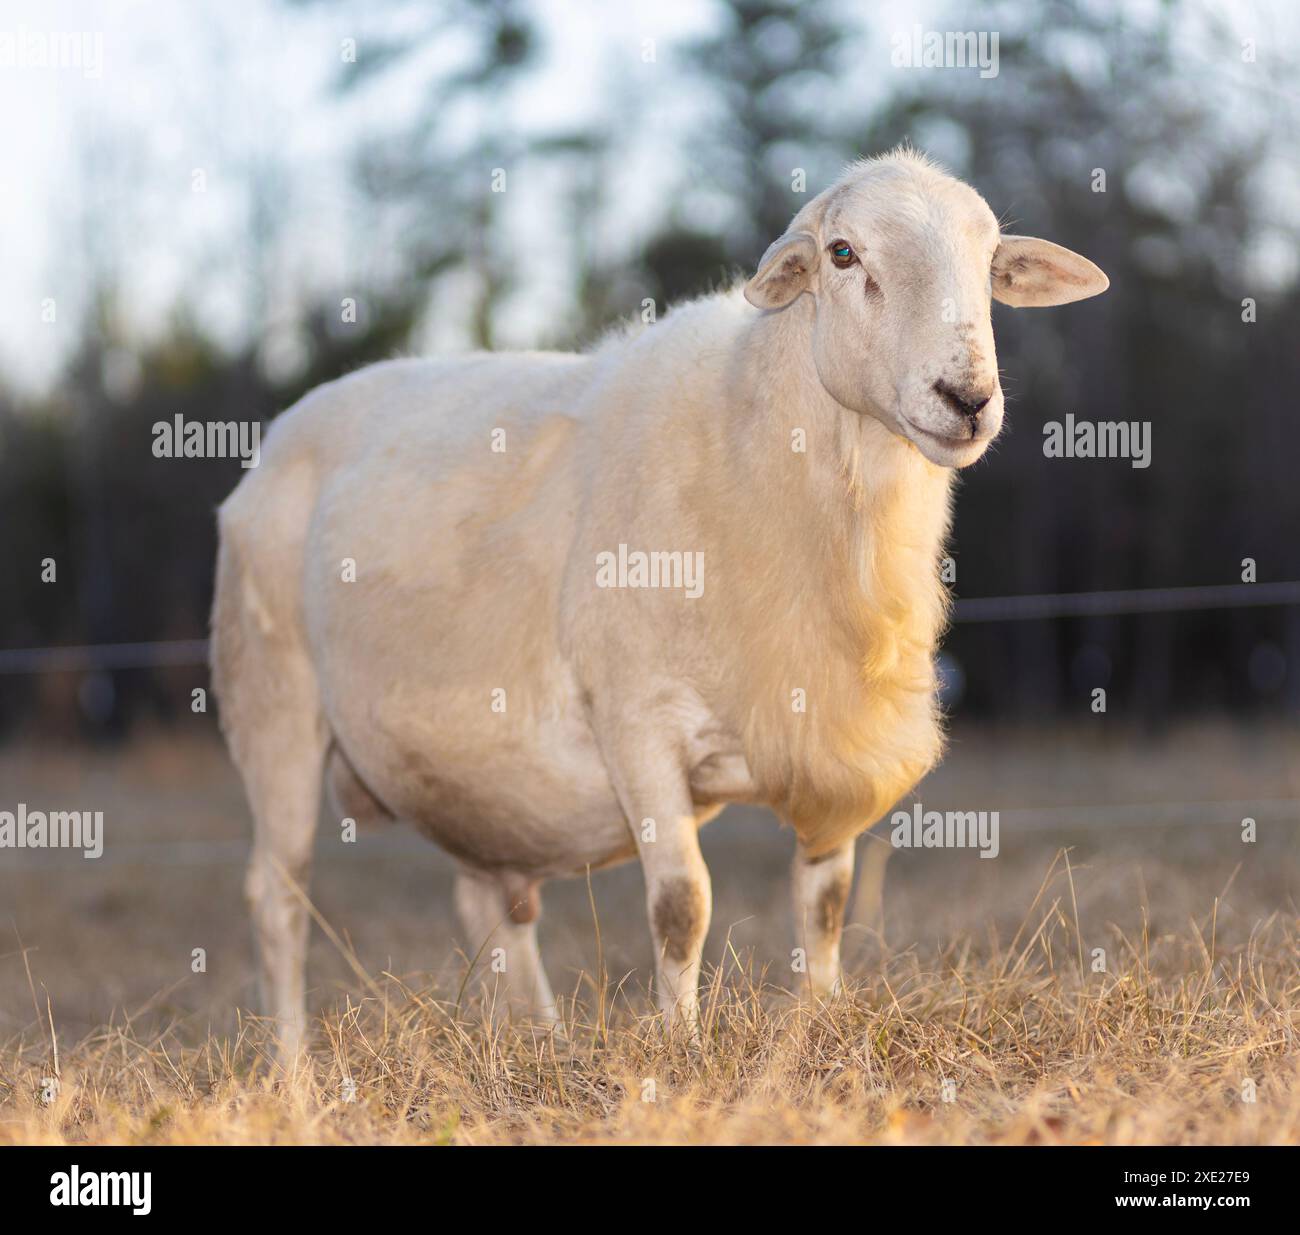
524 789
533 798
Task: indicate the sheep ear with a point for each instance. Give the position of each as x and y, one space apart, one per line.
1031 273
785 271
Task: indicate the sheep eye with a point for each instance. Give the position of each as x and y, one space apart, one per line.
842 254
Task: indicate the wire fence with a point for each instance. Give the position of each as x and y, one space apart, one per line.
102 657
1128 817
99 657
1132 601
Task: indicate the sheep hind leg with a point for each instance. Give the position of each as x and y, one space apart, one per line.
283 779
272 718
498 915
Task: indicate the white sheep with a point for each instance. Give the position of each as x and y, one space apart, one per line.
434 583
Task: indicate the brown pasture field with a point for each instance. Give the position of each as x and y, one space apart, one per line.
977 1015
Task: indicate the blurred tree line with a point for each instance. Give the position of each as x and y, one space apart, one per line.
1142 140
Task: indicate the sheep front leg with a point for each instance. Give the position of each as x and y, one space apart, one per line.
821 891
679 899
679 896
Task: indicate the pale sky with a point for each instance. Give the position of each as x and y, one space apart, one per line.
224 87
213 87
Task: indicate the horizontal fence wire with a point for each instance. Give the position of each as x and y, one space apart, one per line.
1017 821
190 652
1135 601
97 657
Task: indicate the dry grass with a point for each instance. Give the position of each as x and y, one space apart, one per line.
992 989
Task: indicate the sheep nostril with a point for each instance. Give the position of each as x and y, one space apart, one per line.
966 403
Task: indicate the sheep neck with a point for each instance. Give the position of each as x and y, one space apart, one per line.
843 607
842 482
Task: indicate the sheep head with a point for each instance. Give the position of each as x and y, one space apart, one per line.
903 261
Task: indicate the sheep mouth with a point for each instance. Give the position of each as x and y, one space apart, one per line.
949 443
